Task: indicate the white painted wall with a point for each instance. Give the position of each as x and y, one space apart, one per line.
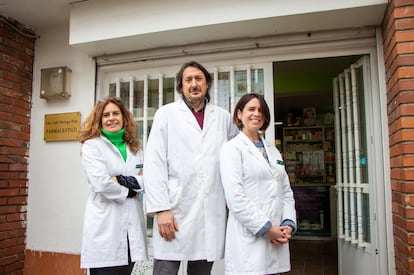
105 19
57 185
104 26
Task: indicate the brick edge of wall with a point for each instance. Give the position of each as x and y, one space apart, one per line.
16 75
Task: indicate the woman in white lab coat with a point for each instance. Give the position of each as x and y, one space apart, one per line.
114 232
261 206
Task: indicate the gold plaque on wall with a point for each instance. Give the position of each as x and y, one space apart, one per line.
64 126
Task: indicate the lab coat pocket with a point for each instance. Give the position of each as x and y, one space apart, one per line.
276 210
272 208
139 168
194 187
278 169
249 237
175 192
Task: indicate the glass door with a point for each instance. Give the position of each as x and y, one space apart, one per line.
356 241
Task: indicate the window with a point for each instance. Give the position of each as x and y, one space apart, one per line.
143 97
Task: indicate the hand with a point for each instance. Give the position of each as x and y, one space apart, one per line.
128 181
140 172
287 231
286 235
279 234
167 225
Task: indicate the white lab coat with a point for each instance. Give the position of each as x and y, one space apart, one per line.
182 174
256 192
109 215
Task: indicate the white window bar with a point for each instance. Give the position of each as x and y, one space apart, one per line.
145 119
256 76
160 90
357 129
176 94
215 82
351 162
131 93
232 90
118 88
249 79
344 157
367 87
339 183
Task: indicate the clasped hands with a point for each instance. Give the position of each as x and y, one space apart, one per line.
279 234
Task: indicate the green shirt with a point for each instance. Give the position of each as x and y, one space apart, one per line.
117 139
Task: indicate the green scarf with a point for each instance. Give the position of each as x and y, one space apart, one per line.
117 139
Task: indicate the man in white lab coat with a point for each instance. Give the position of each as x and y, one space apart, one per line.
181 172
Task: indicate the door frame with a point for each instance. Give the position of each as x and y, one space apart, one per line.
382 242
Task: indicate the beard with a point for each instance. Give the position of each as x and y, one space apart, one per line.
197 99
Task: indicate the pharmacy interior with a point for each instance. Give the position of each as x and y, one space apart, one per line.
305 134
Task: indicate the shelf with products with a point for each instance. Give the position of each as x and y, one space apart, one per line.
309 154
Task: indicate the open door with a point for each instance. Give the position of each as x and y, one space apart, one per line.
357 253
